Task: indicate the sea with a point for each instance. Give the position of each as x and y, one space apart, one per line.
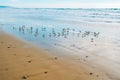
79 32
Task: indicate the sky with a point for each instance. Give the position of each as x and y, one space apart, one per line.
62 3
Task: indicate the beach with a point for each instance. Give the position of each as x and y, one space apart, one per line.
20 60
59 44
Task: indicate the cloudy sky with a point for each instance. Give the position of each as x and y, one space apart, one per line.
62 3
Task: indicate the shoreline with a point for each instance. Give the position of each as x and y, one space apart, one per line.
20 60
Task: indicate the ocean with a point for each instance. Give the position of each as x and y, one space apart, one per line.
78 32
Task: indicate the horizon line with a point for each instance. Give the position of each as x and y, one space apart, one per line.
63 7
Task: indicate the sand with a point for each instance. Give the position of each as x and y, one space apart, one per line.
22 61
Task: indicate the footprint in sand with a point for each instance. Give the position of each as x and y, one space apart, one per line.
86 56
28 56
29 61
8 47
6 69
2 42
27 76
14 54
91 73
45 72
56 58
97 75
24 77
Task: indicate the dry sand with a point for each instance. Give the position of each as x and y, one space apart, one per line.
20 61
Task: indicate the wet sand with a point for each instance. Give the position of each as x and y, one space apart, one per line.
20 60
